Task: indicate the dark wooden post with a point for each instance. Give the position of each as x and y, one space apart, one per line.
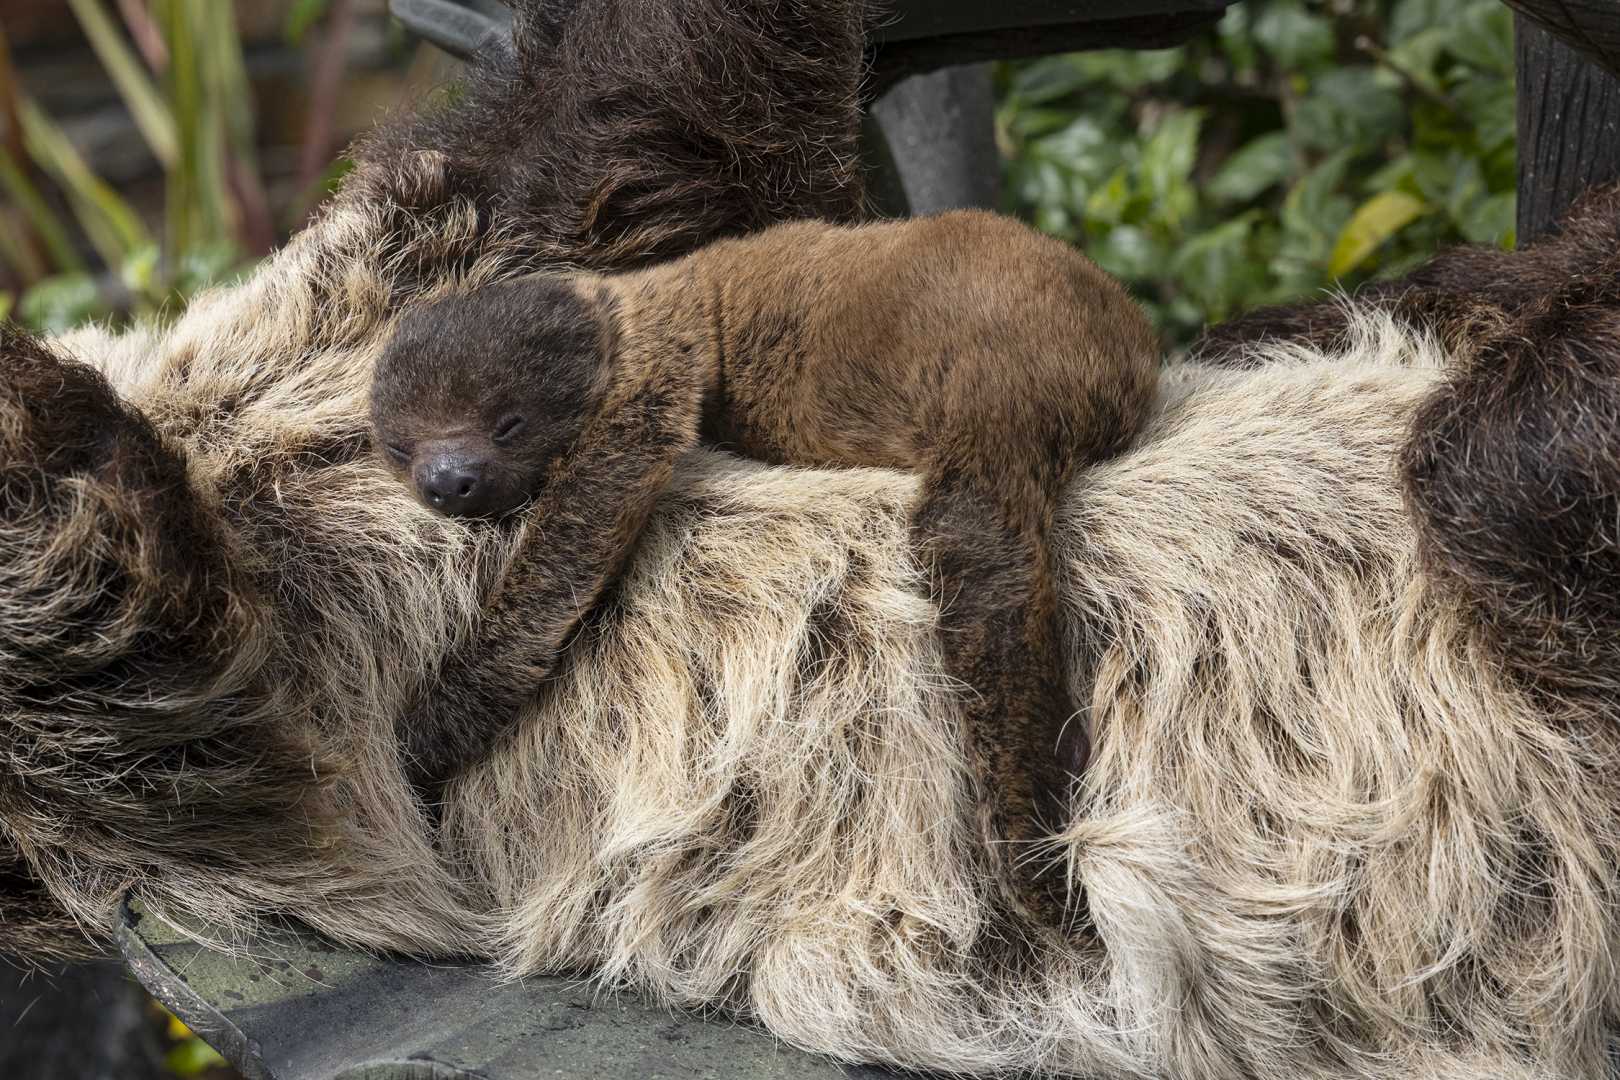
1569 116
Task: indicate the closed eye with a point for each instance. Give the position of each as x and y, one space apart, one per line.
509 429
399 453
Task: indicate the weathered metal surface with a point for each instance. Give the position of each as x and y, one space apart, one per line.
289 1006
453 26
915 19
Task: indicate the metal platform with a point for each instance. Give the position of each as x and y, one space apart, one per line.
291 1006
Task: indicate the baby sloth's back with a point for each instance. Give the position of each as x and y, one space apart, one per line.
860 346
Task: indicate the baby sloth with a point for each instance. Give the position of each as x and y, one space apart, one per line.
994 360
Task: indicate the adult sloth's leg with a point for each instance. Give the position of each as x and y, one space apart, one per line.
150 736
134 732
1513 469
37 927
145 739
1513 466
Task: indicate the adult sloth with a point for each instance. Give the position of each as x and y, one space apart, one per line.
1352 810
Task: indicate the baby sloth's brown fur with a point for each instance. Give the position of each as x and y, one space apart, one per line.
966 346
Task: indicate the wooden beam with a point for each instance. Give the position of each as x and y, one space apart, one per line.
1569 126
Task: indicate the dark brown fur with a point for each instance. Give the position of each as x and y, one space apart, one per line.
993 359
625 132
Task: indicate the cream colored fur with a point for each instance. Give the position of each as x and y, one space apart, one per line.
1320 837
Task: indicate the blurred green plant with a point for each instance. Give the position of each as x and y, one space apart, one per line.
178 65
1295 146
187 1055
190 100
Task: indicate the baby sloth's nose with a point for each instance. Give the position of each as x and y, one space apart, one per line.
453 484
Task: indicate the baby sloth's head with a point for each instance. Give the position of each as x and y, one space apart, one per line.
476 395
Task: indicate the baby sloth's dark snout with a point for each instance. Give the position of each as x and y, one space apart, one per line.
455 479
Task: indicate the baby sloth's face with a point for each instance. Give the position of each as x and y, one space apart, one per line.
476 396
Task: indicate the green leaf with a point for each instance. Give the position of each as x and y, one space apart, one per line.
1348 107
1038 183
1296 38
1132 252
1132 69
1310 197
1055 220
1261 163
1237 42
1491 220
140 272
1433 172
52 230
227 77
1312 215
1109 203
1417 57
199 204
1374 222
58 304
192 1058
1167 162
1032 122
1395 173
1215 266
304 14
6 302
1083 148
1483 37
1467 187
1412 17
113 226
1489 103
1047 79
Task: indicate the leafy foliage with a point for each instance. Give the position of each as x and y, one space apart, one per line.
83 251
1291 148
191 110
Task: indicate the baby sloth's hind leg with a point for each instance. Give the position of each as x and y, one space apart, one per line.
982 530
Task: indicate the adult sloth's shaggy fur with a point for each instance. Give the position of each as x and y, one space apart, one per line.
1353 808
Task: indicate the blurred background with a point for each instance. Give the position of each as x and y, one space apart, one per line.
150 148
